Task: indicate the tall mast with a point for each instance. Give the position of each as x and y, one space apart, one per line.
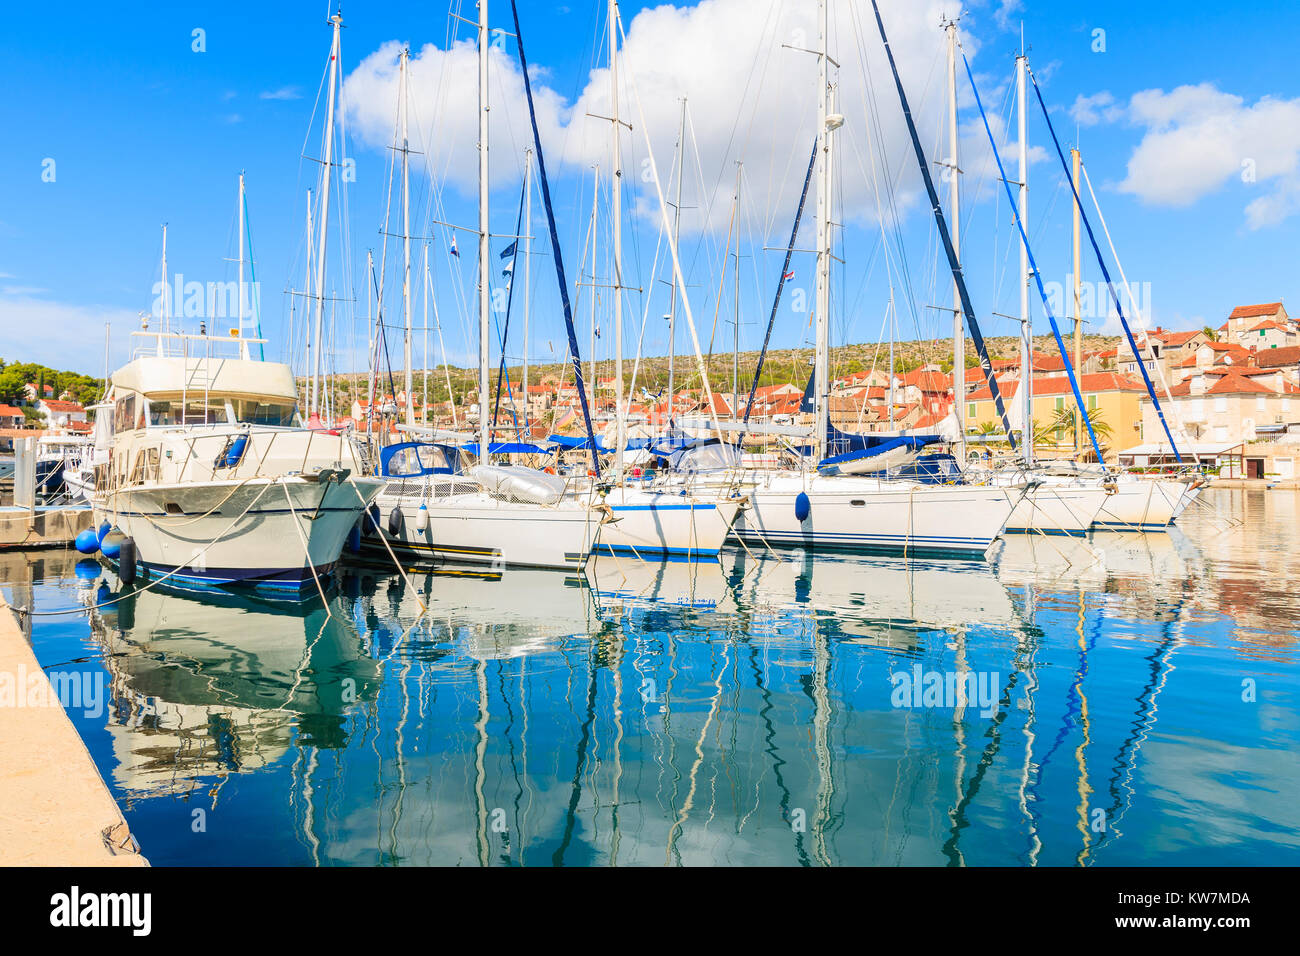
1078 322
243 345
306 280
528 262
821 363
327 160
677 221
1026 276
166 302
954 197
595 198
616 201
484 430
406 233
735 331
371 372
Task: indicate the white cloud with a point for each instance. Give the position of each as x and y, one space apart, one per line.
1098 108
1005 16
750 99
1198 139
283 93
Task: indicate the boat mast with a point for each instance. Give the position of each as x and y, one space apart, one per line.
620 422
735 331
821 363
528 263
166 302
954 198
484 429
1078 322
677 220
1026 275
595 199
306 284
406 232
327 160
243 345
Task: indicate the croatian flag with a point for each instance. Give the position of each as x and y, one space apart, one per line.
788 275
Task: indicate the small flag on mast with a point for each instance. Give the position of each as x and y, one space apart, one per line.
788 275
454 251
509 250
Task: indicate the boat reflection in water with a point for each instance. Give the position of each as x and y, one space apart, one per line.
223 684
758 709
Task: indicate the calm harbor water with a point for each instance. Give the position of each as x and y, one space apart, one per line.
1129 700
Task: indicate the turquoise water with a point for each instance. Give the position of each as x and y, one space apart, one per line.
1132 699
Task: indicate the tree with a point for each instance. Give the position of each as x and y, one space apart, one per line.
1063 423
1210 334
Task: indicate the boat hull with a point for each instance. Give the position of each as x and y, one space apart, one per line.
1140 505
662 523
1055 510
268 533
870 516
480 529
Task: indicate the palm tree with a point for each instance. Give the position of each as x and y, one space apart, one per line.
1063 421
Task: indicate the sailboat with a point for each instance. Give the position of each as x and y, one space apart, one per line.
809 508
437 505
644 520
1130 503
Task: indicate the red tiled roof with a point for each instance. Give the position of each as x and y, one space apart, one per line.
1272 358
1268 324
1060 385
1249 311
62 406
9 411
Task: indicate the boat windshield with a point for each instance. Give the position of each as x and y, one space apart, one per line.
215 410
254 412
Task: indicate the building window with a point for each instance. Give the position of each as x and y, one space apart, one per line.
1259 403
1060 404
1220 404
1092 403
970 410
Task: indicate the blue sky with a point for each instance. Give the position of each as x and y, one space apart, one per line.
144 130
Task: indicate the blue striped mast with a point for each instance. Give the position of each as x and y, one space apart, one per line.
946 238
1033 265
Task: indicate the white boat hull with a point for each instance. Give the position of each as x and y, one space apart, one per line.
865 514
1057 510
475 528
1140 505
270 533
658 523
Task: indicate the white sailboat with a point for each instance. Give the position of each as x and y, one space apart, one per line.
500 515
858 512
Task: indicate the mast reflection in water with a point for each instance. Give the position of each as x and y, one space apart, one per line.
1125 699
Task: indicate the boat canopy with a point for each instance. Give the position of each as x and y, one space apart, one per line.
414 459
695 455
